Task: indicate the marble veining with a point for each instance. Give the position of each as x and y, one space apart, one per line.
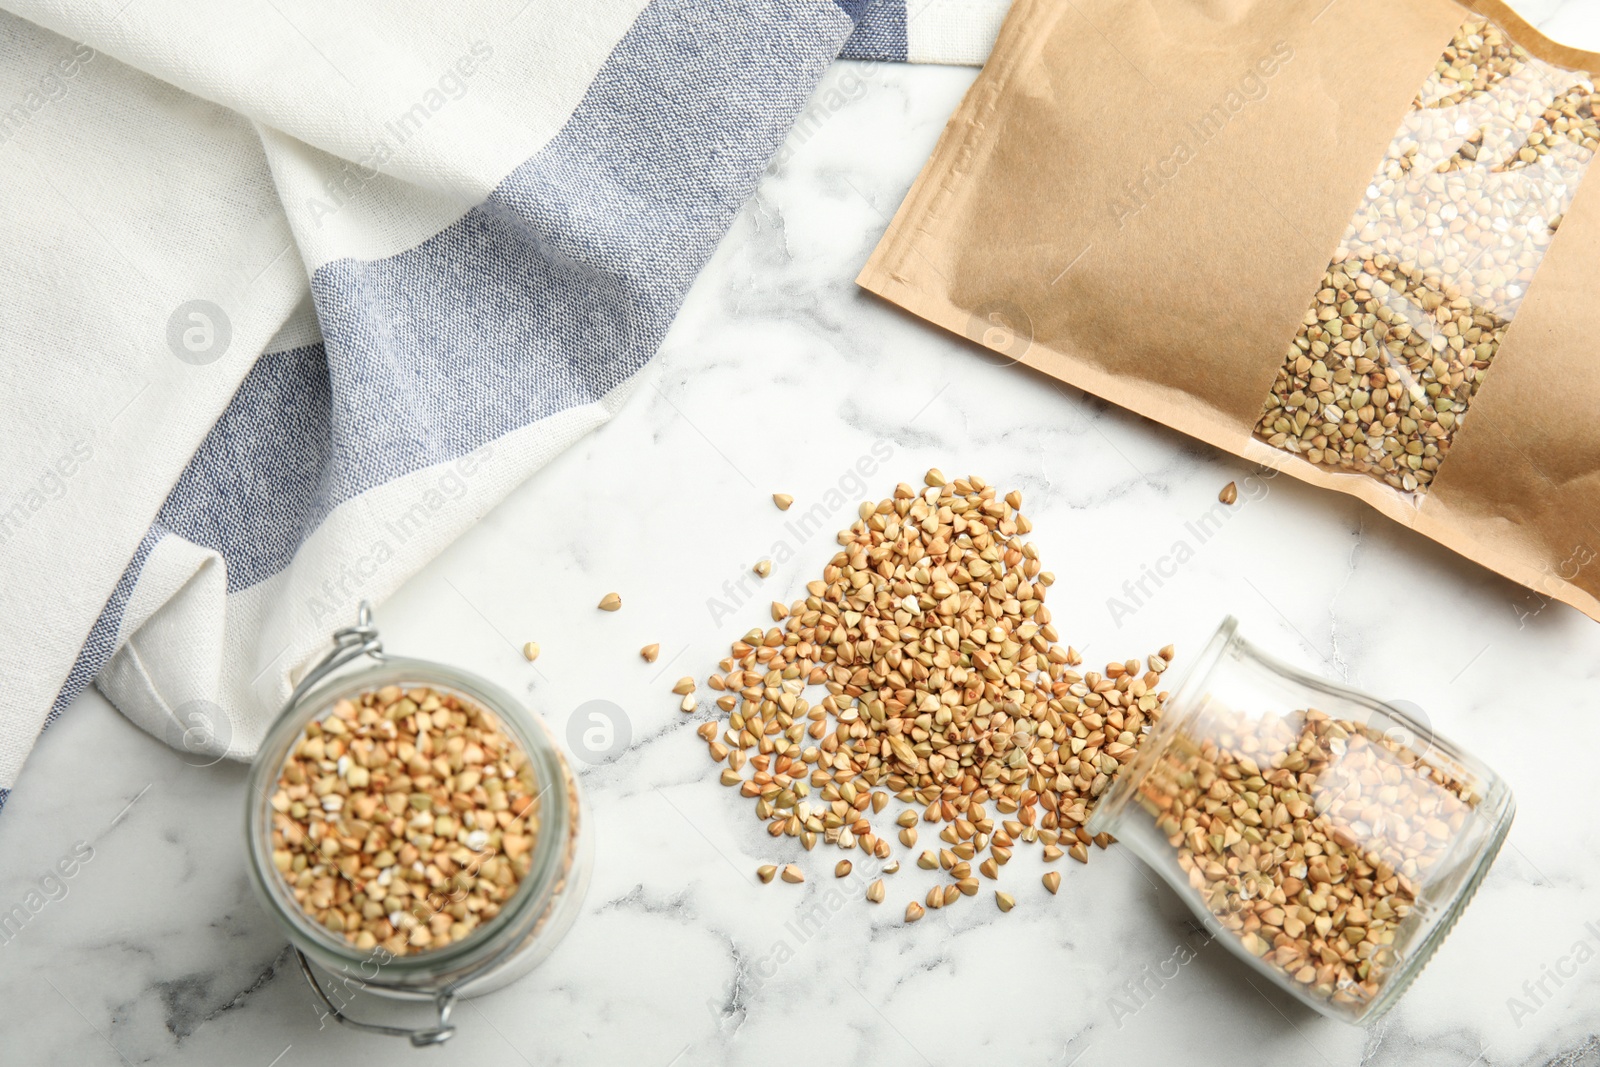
779 376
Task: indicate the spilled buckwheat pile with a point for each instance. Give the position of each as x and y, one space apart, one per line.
405 819
946 688
1426 280
1308 837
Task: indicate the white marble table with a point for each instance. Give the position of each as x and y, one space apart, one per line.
779 375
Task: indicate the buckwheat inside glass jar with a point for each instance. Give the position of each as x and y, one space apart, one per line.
452 802
1329 839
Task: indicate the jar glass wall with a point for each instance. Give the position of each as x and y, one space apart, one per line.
1328 838
529 922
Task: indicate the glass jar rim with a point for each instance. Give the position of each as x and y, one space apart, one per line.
483 947
1177 709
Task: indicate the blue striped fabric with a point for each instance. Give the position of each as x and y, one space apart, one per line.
547 296
265 475
101 644
880 34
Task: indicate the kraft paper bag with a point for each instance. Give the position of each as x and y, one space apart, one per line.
1349 240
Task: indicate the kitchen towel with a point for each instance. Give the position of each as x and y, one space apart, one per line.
295 292
956 32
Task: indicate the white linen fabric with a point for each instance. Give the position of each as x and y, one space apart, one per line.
296 292
956 32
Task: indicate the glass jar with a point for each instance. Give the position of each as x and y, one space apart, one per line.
537 914
1329 839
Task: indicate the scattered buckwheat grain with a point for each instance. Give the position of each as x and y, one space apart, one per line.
945 689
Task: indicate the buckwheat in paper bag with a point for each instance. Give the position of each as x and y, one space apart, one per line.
1350 240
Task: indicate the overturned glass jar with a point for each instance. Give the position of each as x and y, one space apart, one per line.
1329 839
415 831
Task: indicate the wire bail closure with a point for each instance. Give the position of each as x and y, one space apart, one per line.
443 1002
350 643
